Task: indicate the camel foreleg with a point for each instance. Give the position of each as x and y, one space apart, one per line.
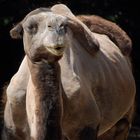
15 120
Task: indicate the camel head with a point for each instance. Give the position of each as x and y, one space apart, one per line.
47 32
44 35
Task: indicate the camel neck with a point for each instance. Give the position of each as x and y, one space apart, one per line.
48 98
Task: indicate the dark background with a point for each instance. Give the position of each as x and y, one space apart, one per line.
125 13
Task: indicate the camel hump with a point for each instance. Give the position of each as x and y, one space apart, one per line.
100 25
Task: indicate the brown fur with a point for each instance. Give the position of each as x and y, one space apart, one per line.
46 78
113 31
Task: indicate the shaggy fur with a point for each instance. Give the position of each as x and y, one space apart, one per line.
46 79
100 25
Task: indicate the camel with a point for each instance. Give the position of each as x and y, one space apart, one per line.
73 84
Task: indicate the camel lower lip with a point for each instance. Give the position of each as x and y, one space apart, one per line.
58 51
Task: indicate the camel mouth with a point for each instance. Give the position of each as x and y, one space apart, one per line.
57 50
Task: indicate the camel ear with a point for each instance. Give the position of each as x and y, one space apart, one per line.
17 31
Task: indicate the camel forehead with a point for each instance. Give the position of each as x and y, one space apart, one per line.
47 17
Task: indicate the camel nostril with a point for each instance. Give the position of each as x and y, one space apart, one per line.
49 26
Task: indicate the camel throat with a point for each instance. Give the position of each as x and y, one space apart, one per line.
46 78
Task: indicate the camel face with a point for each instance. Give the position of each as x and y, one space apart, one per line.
44 36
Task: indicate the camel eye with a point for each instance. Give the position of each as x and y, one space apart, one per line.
63 28
32 28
